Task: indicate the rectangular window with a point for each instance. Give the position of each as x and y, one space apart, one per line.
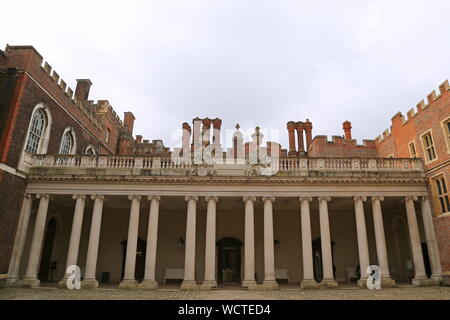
443 196
430 153
412 150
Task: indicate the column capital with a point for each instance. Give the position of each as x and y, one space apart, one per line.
411 198
249 198
211 198
268 198
325 198
97 196
425 198
79 196
377 198
27 195
42 196
301 199
362 198
134 197
156 198
189 198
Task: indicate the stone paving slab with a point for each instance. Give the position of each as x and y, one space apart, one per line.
408 293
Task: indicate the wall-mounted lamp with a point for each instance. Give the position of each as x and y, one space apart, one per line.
277 244
180 243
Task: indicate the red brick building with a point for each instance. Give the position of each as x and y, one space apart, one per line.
41 115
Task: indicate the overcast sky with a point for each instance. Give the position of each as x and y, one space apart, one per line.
248 62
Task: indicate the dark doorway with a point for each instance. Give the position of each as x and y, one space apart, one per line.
426 259
48 266
317 259
229 266
140 259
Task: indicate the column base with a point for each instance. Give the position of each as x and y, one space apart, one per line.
388 282
362 283
209 285
309 284
29 283
269 285
13 282
128 284
328 284
148 285
89 284
438 279
249 284
62 284
425 282
190 285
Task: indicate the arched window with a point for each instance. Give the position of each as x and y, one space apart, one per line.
68 142
36 131
90 151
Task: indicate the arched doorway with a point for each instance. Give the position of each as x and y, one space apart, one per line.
140 259
229 264
48 266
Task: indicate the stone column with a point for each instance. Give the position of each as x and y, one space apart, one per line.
433 250
420 278
90 281
269 254
363 247
301 144
129 280
327 256
189 282
386 280
291 131
19 242
308 281
30 279
74 242
249 264
210 253
149 281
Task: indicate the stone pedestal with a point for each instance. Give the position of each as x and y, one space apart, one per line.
249 284
148 285
29 283
128 284
328 284
189 285
89 284
310 284
388 283
209 285
270 285
424 282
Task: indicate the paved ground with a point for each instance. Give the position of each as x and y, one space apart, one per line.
430 293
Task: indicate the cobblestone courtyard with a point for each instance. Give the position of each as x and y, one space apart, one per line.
404 293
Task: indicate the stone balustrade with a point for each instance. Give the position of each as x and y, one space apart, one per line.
288 166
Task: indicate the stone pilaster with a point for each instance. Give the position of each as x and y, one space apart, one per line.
249 245
149 281
129 280
189 282
210 251
386 280
30 279
363 247
308 281
90 282
74 242
327 257
269 254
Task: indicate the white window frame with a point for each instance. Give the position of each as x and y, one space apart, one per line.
74 146
424 147
90 147
412 143
446 130
25 159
